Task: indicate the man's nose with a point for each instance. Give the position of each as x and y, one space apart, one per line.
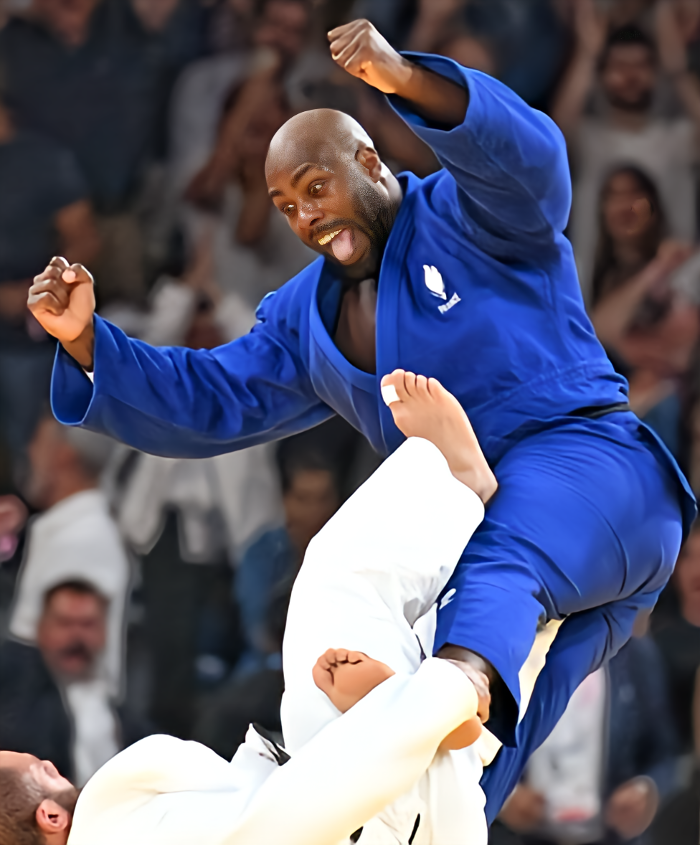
309 215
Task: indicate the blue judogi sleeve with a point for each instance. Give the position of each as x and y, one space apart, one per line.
508 160
583 643
193 403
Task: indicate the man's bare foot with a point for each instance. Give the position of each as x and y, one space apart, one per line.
347 676
423 408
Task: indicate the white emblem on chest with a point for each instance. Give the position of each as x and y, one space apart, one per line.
436 286
433 281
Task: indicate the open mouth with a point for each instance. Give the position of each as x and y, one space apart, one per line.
326 239
342 243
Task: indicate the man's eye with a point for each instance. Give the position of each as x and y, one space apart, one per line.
316 187
287 209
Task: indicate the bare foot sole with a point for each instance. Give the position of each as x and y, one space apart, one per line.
421 407
466 734
347 676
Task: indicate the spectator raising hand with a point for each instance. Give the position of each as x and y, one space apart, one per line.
672 38
589 30
632 807
622 127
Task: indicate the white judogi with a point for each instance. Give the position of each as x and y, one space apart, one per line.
368 576
375 568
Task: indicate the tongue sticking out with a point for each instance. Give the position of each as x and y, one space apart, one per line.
342 245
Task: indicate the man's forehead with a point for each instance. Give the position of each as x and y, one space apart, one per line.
290 166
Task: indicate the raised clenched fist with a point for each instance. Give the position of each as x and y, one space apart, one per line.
360 50
62 299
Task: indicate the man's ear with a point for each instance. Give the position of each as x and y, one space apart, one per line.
54 821
369 159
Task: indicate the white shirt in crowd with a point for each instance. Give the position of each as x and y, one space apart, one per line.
225 502
76 539
94 727
568 767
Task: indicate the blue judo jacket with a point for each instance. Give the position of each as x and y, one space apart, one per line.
477 288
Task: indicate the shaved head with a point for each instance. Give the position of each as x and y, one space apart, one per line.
316 134
324 174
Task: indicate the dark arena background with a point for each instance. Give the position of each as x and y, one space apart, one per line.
145 595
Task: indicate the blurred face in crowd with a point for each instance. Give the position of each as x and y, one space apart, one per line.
154 14
627 211
324 175
47 798
629 76
687 578
69 20
309 503
273 112
283 28
72 633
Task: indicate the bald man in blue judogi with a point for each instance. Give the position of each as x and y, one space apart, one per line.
475 285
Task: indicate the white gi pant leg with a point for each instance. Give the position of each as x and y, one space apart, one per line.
374 569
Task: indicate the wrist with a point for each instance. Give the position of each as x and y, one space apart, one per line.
407 78
83 347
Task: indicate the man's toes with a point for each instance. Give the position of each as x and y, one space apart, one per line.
422 391
409 380
323 678
435 388
330 655
393 388
356 657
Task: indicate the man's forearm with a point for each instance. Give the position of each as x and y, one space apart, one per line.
434 97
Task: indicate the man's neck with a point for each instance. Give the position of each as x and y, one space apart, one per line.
629 121
629 254
66 486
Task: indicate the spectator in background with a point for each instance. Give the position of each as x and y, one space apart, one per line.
44 210
677 634
626 63
263 586
269 567
55 703
442 28
191 520
648 328
676 627
75 538
252 252
599 777
225 109
73 71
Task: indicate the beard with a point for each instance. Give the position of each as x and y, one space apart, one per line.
642 103
377 214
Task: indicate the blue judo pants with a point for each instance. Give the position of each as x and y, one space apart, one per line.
586 526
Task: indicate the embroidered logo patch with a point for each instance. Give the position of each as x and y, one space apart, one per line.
433 281
447 598
436 286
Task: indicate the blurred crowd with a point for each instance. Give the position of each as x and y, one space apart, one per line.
141 594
